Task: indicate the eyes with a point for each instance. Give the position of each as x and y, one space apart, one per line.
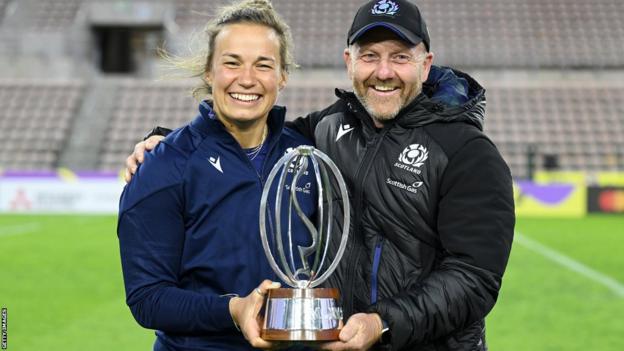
265 67
261 65
400 58
369 57
231 64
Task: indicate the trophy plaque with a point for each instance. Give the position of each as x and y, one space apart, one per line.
303 312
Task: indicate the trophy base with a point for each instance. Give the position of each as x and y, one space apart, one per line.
300 335
302 315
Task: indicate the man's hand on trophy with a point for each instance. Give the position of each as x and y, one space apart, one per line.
245 314
136 157
360 333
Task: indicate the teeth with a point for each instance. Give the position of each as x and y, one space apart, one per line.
383 87
245 97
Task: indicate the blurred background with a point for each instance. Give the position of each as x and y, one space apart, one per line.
81 82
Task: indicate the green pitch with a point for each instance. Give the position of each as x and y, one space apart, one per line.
61 282
556 295
60 279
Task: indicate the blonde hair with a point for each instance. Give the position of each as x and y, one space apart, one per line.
247 11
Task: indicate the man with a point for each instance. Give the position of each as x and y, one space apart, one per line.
432 197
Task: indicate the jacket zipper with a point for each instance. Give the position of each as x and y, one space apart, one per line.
262 177
360 177
375 269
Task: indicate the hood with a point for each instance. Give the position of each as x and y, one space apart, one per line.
455 96
448 95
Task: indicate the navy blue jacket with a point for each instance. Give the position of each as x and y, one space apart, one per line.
189 234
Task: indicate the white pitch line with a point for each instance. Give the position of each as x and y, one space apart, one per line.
19 229
571 264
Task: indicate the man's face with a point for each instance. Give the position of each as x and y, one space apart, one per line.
387 72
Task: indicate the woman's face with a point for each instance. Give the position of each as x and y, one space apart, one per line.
245 73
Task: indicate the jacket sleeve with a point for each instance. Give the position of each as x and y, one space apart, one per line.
151 233
475 225
307 125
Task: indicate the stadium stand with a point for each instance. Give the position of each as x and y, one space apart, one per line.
584 127
575 127
35 119
6 41
141 105
478 33
3 4
193 14
57 15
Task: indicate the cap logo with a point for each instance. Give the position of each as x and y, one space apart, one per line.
385 7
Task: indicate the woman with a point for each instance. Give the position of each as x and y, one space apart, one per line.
189 237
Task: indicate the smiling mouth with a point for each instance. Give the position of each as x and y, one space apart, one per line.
245 97
383 88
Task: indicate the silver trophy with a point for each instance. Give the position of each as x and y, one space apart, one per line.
303 312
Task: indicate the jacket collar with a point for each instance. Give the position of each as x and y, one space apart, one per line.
448 96
208 125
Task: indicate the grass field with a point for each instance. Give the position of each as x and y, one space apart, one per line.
60 279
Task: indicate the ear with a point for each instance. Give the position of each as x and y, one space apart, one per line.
346 56
427 62
283 80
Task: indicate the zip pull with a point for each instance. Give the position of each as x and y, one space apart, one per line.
375 270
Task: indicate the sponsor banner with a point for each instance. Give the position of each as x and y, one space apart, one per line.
547 177
605 179
550 199
605 199
60 192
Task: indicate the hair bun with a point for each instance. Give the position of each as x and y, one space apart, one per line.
261 4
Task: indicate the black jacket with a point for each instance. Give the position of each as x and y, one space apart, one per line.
433 213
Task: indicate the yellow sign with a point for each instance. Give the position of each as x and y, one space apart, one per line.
553 194
610 179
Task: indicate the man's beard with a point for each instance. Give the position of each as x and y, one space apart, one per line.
371 103
377 115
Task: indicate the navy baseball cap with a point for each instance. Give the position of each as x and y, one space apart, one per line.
400 16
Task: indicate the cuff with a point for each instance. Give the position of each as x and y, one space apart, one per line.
221 312
392 317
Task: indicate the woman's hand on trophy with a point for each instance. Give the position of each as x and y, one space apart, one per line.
360 333
245 314
136 157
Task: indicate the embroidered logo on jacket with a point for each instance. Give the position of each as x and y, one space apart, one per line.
412 188
342 130
412 158
385 7
302 189
216 163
